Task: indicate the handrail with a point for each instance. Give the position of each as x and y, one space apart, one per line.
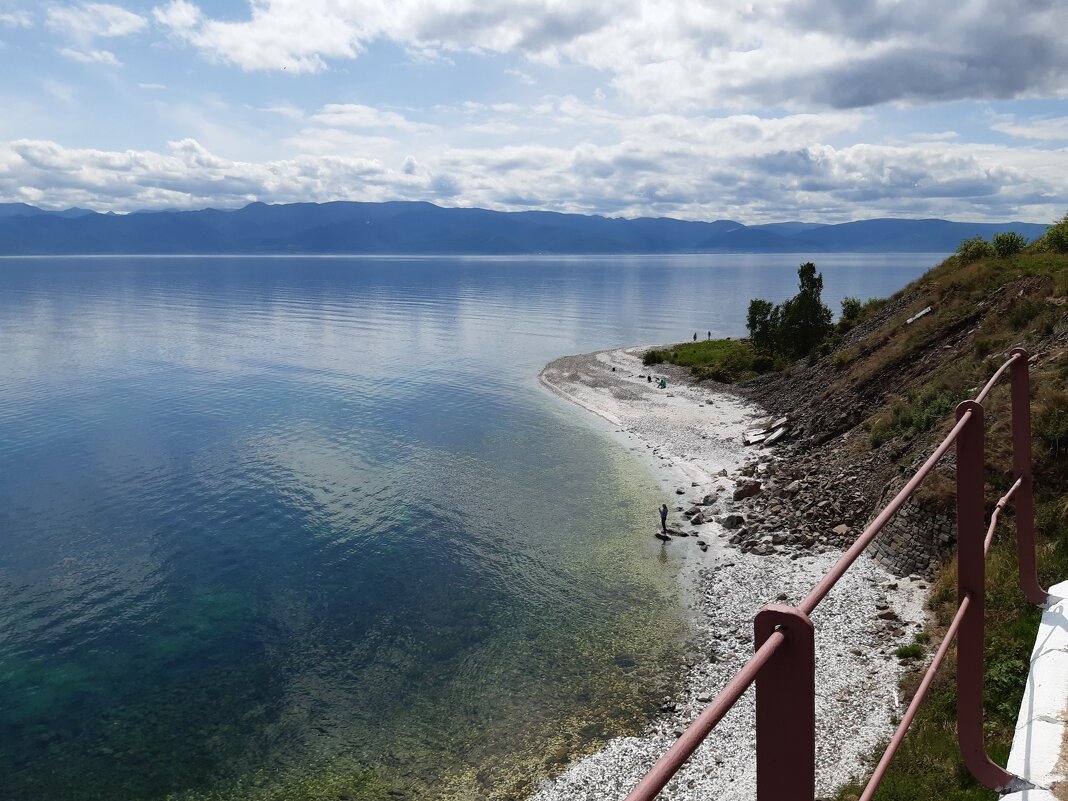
906 719
819 592
1002 501
994 378
669 764
783 666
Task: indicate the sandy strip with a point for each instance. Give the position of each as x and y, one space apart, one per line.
689 434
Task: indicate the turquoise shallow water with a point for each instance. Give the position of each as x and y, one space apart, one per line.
308 528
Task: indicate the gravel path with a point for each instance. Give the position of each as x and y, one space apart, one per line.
691 435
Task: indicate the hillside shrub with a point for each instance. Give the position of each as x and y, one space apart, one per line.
1024 312
653 356
851 309
1051 425
1008 243
974 249
1055 240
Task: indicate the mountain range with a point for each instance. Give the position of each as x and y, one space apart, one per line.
402 227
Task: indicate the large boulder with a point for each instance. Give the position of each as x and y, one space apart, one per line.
746 489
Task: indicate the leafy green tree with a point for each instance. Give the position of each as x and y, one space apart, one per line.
797 326
763 323
974 249
1008 244
805 320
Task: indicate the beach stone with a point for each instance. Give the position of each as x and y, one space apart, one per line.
746 489
887 614
732 521
842 529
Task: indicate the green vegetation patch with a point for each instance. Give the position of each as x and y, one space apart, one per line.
726 360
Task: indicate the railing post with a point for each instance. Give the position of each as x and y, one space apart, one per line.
786 708
1021 469
971 583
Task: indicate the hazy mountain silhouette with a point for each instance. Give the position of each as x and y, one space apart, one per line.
423 228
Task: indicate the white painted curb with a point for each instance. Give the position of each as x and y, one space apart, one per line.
1040 726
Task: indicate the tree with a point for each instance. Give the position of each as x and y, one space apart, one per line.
797 326
805 320
763 322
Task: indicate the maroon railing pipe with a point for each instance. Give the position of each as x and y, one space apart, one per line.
666 767
1021 469
1002 502
971 582
989 385
917 699
786 707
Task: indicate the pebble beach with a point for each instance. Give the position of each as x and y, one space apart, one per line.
690 435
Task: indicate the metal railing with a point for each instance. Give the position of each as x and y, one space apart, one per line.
783 666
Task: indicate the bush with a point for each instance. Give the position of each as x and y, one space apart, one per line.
1055 240
1008 244
652 357
974 249
851 309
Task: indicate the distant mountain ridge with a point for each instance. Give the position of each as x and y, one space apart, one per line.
414 228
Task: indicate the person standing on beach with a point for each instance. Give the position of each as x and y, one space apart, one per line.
663 517
694 336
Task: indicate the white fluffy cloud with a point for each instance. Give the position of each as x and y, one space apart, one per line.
667 53
743 167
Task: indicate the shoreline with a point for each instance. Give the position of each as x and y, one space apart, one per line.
689 435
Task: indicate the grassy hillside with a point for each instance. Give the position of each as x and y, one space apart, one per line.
979 312
888 388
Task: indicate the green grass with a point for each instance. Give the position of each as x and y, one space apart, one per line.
914 651
726 360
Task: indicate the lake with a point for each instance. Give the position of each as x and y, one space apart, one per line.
309 527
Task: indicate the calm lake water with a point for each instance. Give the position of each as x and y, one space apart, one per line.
309 528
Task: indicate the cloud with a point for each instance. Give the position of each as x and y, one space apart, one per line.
15 19
1046 129
681 53
152 87
104 57
744 167
87 21
179 15
359 117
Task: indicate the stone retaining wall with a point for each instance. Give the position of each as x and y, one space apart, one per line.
915 539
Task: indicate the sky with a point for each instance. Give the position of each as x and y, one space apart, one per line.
764 111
